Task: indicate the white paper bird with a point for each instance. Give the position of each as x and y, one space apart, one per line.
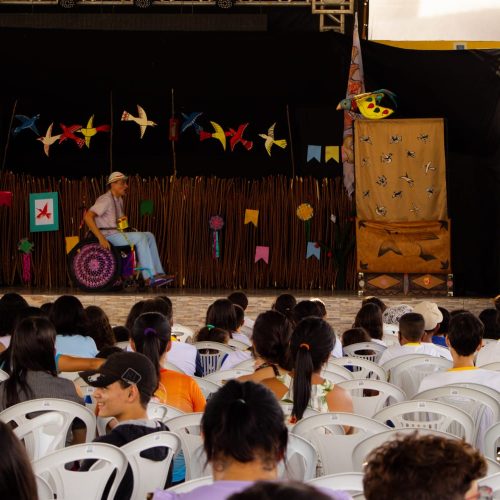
48 139
142 120
269 138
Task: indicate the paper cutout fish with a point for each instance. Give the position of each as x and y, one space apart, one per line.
270 140
190 121
369 104
218 134
26 123
48 139
237 137
68 133
89 131
142 120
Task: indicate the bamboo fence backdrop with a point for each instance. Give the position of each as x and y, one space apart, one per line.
180 221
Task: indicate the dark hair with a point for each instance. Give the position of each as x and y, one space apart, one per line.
405 469
306 308
311 344
108 351
491 321
26 312
374 300
32 348
244 421
445 323
271 338
277 490
370 318
412 326
222 315
284 304
161 306
133 314
458 311
151 335
465 334
240 315
496 301
13 300
240 299
16 475
208 334
68 316
321 306
46 307
9 316
99 327
121 333
355 336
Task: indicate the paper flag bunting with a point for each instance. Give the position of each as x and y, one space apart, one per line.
251 216
262 253
44 212
332 153
141 120
313 153
71 242
5 198
313 249
146 207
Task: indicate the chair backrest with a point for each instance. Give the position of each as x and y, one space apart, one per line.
354 350
162 412
325 431
359 367
351 482
82 485
170 366
363 448
238 344
479 387
300 462
390 339
337 369
492 366
493 482
220 377
188 486
123 344
207 387
363 400
3 375
493 466
391 363
431 415
212 355
187 427
149 474
248 364
484 409
489 341
287 410
491 438
411 372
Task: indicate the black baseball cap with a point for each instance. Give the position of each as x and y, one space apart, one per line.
131 367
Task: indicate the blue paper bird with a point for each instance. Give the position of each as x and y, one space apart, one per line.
26 123
190 121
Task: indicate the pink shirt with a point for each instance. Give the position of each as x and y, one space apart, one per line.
107 208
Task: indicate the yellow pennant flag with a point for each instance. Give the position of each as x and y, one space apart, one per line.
251 216
332 152
71 242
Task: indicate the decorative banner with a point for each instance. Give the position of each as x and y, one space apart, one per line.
262 253
26 123
305 213
313 153
403 247
71 242
141 120
44 212
313 249
332 153
251 216
146 207
269 140
26 247
5 198
216 223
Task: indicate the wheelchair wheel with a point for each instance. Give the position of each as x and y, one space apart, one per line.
93 268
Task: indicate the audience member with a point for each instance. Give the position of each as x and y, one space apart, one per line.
432 317
391 317
99 327
375 300
133 314
240 320
285 303
11 304
491 321
210 333
121 333
439 337
369 317
240 299
276 490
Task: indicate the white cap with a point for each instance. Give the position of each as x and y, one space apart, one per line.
116 176
431 313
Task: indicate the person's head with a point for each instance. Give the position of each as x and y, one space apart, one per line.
431 313
244 424
278 490
46 307
13 300
8 318
240 316
369 317
16 475
411 328
445 323
117 183
108 351
392 314
240 299
121 333
285 304
99 327
68 316
376 301
271 338
311 344
211 333
221 315
465 335
355 336
160 306
422 468
133 314
305 309
491 321
322 307
124 385
496 301
170 310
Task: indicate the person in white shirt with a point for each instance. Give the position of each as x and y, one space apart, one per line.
240 299
489 354
432 316
411 331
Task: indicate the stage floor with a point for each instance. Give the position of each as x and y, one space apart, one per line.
190 306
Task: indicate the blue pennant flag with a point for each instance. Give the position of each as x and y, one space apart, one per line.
312 250
313 153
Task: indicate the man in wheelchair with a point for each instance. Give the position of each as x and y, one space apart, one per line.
109 225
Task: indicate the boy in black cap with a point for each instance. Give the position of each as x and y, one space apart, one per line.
124 386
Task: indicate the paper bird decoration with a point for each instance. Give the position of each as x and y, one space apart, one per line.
270 140
48 139
218 134
313 249
251 216
369 104
190 121
69 133
141 120
26 123
237 137
262 253
89 131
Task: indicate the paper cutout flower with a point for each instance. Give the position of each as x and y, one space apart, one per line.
305 212
25 246
216 223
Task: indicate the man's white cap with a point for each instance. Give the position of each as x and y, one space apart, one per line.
116 176
431 313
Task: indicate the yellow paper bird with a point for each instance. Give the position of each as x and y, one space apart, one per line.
270 140
48 139
89 131
218 134
142 120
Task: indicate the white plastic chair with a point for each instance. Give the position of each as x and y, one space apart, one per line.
325 431
484 409
123 345
491 444
390 339
220 377
188 486
287 410
336 368
238 344
391 363
351 482
363 448
248 364
170 366
207 387
431 415
182 332
360 368
149 474
43 488
3 375
212 355
159 411
187 427
368 405
493 466
353 350
479 387
300 461
492 366
493 482
82 485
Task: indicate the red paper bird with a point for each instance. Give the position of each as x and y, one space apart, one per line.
68 133
237 136
44 212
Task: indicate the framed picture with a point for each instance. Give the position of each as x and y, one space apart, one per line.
44 212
